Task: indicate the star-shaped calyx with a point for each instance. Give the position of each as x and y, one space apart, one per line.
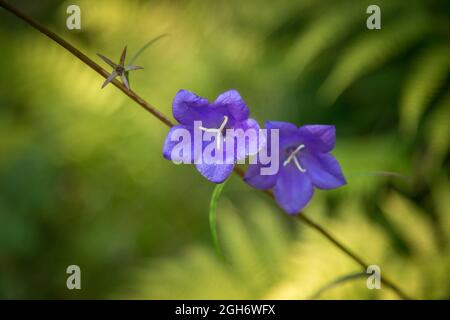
119 69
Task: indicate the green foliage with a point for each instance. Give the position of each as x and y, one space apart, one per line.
268 260
429 73
254 255
83 181
327 28
371 51
438 134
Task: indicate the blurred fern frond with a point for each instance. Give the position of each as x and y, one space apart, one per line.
337 31
198 273
269 260
371 51
438 133
332 23
428 74
324 31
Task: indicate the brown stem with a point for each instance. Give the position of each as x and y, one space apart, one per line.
80 55
134 96
338 244
351 254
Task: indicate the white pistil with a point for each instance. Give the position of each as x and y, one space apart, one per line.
293 156
217 131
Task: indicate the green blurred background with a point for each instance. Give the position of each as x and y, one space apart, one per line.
83 181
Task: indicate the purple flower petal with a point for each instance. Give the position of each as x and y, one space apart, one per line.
173 139
188 107
248 141
254 178
293 189
285 128
321 138
232 102
211 154
288 136
323 170
248 124
216 173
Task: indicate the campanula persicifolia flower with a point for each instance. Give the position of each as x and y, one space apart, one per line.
305 164
198 116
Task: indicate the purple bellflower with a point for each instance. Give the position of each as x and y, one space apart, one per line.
305 163
228 111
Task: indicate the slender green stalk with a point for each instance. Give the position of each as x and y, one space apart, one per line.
145 46
155 112
213 216
338 281
140 51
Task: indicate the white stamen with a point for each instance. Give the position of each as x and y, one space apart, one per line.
297 164
293 156
218 131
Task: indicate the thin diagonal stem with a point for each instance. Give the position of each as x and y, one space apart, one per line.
351 254
355 257
164 119
80 55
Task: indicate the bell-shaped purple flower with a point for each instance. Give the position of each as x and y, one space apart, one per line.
198 118
305 162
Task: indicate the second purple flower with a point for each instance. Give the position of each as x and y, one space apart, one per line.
305 163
